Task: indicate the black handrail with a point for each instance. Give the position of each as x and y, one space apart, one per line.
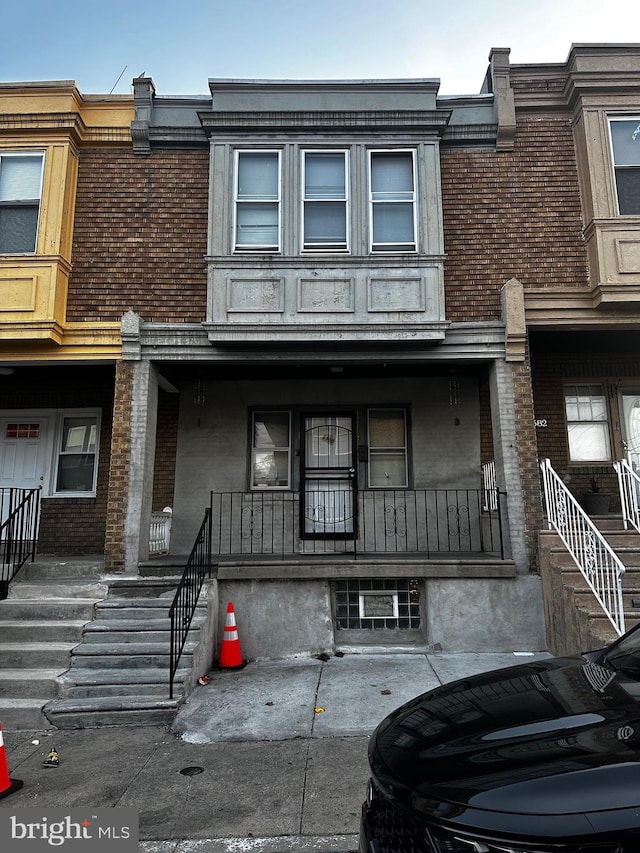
186 597
20 519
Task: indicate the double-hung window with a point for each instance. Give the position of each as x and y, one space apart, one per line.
625 140
387 448
20 189
587 423
325 182
392 201
257 201
77 455
271 450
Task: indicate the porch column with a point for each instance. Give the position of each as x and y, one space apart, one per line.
144 418
503 420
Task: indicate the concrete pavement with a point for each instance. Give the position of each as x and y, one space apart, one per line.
270 758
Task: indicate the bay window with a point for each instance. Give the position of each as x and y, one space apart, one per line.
20 190
257 201
392 201
625 140
324 202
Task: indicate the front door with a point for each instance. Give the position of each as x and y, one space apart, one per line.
328 475
23 444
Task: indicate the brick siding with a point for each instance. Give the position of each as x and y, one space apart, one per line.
140 236
119 471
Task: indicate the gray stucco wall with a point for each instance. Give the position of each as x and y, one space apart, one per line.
213 439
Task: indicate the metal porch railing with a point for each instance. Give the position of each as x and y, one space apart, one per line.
629 487
186 598
592 554
386 521
19 520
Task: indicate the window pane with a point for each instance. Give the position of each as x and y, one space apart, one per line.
325 223
257 225
20 178
324 176
387 469
588 442
271 429
386 429
75 473
392 175
626 142
18 228
271 468
628 182
393 223
258 176
79 434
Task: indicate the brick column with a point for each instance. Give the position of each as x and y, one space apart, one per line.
119 469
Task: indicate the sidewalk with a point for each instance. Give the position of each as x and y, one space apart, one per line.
269 758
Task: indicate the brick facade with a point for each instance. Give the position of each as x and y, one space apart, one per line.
120 466
140 236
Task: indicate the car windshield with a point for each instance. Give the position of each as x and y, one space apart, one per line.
624 656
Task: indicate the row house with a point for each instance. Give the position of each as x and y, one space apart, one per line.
341 320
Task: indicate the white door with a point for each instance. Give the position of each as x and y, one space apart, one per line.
23 442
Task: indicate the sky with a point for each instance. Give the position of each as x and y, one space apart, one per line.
104 44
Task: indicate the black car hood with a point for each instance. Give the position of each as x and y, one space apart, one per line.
556 736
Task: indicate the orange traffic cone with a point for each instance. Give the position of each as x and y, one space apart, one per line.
7 785
230 654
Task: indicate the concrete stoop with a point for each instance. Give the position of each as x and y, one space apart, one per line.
575 620
41 621
119 673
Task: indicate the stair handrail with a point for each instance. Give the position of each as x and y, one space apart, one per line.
20 508
595 558
185 600
629 487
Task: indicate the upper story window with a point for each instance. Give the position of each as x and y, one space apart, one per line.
392 201
325 182
20 189
257 201
625 139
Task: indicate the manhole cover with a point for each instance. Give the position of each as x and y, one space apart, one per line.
191 771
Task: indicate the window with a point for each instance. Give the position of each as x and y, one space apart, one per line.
625 139
271 450
587 423
20 187
392 201
257 201
387 448
77 455
325 201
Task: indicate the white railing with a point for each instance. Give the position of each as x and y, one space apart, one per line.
489 486
160 532
629 486
591 553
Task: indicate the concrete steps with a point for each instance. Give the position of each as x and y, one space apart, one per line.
119 674
572 609
41 622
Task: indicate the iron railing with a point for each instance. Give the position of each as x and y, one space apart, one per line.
397 521
629 487
592 554
186 598
19 521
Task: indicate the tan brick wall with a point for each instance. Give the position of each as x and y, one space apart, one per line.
140 236
511 214
119 470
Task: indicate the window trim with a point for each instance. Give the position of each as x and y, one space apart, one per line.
58 453
603 385
412 248
41 153
243 248
263 487
313 249
611 119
